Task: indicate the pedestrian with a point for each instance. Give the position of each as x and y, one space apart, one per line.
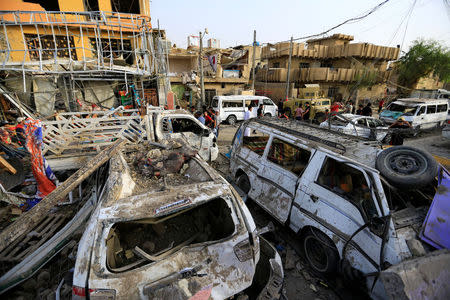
359 110
307 112
209 122
199 116
397 136
327 114
299 112
380 105
280 107
348 107
367 110
217 121
247 116
260 112
335 108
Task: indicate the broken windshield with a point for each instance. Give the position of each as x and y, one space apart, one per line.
135 243
403 108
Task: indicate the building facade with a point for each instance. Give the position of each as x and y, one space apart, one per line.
72 54
344 70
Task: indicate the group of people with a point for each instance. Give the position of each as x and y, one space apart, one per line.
209 118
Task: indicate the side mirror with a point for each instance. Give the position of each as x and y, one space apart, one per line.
206 132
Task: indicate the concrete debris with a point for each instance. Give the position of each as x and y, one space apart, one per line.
291 258
416 247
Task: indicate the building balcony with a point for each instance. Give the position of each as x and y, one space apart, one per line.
317 75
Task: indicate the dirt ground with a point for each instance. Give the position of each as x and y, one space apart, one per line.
300 281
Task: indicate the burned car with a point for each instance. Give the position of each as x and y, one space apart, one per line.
355 207
169 227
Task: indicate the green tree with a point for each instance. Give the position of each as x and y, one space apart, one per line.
423 58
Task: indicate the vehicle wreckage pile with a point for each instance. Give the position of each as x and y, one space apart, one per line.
152 219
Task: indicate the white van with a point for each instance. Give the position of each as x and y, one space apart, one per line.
232 108
420 113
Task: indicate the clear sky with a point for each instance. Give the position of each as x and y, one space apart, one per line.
233 21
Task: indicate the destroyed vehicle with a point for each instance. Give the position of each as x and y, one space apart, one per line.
176 124
355 207
362 126
169 229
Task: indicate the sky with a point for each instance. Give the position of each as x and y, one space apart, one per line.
233 21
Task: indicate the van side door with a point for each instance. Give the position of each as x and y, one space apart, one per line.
338 196
278 175
430 118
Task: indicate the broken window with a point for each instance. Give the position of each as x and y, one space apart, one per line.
48 46
48 5
115 48
126 6
134 243
256 142
185 125
349 183
442 107
288 156
431 109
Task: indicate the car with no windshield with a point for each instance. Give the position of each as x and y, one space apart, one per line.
354 207
169 227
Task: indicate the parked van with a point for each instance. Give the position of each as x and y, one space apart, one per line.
356 209
232 108
420 113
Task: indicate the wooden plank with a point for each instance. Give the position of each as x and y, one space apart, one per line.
31 218
5 164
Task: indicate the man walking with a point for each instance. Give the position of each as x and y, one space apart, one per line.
367 110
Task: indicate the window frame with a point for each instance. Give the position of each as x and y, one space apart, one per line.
243 145
311 154
430 106
361 210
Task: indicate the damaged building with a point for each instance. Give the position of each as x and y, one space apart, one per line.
344 70
78 55
226 71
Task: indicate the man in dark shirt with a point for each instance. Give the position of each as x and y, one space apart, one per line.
260 111
307 112
359 110
367 110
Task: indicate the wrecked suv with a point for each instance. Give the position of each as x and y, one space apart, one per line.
355 208
168 227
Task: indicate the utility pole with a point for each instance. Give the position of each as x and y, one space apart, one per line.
202 83
289 68
253 60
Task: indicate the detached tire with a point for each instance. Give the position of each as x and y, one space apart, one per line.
407 167
320 252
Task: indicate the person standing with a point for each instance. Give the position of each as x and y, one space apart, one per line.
397 136
380 105
299 112
335 108
348 107
359 110
200 117
280 107
217 121
367 110
260 112
247 116
307 112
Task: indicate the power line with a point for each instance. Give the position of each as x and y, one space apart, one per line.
407 23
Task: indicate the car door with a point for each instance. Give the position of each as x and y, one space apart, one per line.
185 128
339 196
430 118
362 128
278 175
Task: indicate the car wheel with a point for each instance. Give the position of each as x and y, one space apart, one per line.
243 183
231 120
267 115
407 167
320 252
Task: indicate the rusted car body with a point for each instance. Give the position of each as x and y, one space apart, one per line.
168 237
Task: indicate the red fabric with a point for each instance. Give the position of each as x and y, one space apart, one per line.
335 108
45 185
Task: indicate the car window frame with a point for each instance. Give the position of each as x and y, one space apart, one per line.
364 215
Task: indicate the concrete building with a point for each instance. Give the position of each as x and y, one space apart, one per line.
226 71
344 70
72 54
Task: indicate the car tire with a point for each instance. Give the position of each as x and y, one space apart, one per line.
231 120
407 167
320 252
267 115
243 182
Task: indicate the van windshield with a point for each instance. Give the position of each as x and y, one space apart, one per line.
403 108
215 102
